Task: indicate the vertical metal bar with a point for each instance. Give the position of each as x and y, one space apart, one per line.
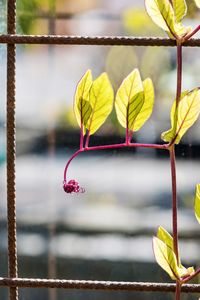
11 153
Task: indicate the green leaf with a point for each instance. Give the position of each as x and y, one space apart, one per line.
183 117
164 236
163 14
82 107
101 100
180 9
197 3
197 203
129 99
147 107
166 258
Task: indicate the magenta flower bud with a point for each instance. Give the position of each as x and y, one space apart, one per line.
72 186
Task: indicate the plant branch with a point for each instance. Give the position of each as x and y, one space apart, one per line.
124 145
81 137
190 35
178 291
174 202
87 139
191 276
114 146
68 163
179 73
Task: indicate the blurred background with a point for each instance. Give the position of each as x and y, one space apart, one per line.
105 233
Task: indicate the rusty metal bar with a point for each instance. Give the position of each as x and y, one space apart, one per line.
96 285
11 154
96 40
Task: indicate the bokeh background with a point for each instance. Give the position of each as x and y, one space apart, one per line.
105 233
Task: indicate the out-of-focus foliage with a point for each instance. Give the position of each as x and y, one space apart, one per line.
152 60
197 203
27 10
137 22
121 60
192 9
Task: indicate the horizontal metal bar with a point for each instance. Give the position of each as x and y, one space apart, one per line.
96 285
96 40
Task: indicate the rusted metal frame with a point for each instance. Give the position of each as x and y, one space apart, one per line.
11 154
96 285
95 40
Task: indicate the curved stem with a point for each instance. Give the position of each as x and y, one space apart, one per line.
115 146
69 161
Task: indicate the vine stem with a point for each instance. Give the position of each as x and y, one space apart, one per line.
174 201
197 272
173 168
189 36
81 137
179 73
178 291
114 146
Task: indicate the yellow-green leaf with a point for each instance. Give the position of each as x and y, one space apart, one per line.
164 236
101 100
197 203
82 107
183 117
197 3
166 258
129 99
180 9
163 14
147 107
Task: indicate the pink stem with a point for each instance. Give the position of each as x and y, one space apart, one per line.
68 163
174 202
179 73
87 140
81 137
127 136
115 146
130 145
191 276
178 291
192 33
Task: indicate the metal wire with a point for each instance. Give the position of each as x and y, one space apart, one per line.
11 154
96 285
96 40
